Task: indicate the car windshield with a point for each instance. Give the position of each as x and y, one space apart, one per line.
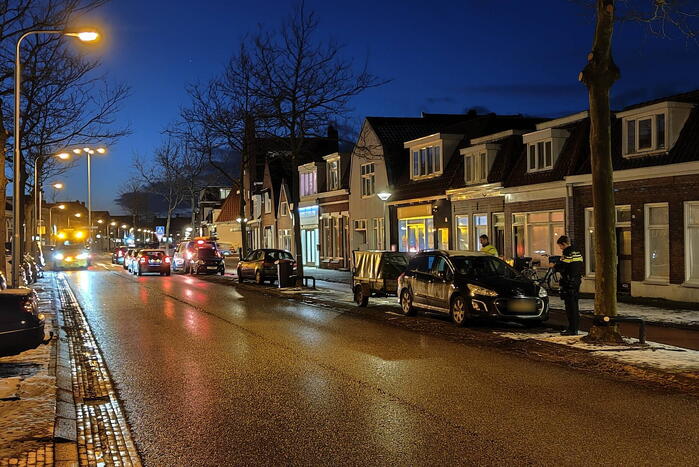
275 255
484 266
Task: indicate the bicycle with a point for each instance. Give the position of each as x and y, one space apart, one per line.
552 278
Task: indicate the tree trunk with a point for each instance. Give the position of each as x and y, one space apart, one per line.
599 75
3 195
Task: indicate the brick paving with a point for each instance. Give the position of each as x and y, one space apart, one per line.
27 396
103 435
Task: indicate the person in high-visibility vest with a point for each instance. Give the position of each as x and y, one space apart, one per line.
486 247
571 268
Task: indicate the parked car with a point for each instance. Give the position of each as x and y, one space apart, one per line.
146 261
128 256
70 257
3 281
184 256
21 324
259 265
118 255
375 273
468 284
207 260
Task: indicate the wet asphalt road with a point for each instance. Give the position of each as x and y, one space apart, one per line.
210 375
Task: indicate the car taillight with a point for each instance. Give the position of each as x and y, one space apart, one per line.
142 260
167 258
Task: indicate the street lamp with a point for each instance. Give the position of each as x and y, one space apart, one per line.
84 36
60 206
89 151
384 196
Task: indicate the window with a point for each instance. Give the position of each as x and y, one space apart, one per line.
645 134
378 233
623 219
285 239
476 168
657 242
257 205
360 229
332 228
535 234
426 161
268 203
416 234
224 192
284 209
540 156
308 183
691 216
333 174
498 239
480 227
268 239
368 179
462 238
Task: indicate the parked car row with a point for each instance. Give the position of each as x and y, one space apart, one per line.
463 284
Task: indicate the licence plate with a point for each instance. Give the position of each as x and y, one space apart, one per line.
521 305
212 267
152 262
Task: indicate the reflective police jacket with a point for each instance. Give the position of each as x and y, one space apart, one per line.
490 249
571 267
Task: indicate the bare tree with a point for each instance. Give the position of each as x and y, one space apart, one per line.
303 84
163 176
599 75
58 92
134 199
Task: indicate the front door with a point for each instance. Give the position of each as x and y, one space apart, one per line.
623 241
423 279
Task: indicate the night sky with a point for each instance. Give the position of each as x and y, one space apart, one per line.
507 56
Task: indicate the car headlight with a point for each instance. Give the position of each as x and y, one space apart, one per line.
476 290
58 256
543 293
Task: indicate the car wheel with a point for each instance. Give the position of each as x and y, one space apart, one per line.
406 303
139 272
167 273
259 280
458 310
222 272
192 270
238 274
359 297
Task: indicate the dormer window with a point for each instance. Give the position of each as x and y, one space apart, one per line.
653 129
333 168
477 162
427 161
543 148
307 180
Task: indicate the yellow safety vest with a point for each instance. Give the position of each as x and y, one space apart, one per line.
490 249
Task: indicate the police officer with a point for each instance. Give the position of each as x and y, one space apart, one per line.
486 247
571 268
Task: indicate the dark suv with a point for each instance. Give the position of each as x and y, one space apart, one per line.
469 284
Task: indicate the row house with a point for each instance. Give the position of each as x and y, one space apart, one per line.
324 211
268 184
379 162
525 182
438 163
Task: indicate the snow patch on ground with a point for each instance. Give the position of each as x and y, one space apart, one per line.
648 313
653 355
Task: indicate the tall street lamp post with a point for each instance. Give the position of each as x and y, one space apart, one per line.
60 206
85 36
38 201
383 196
88 152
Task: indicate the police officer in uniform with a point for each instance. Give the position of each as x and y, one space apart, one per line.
571 268
486 247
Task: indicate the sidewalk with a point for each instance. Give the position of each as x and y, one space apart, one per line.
28 395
